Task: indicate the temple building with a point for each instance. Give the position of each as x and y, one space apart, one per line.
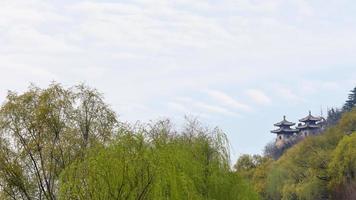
284 131
310 125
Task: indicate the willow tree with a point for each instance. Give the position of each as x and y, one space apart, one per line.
157 162
42 131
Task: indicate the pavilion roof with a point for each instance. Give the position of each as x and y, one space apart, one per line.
310 117
284 122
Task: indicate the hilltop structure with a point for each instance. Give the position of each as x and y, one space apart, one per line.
284 131
309 125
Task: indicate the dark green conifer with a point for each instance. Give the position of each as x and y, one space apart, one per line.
351 101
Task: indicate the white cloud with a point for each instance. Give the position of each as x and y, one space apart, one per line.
215 109
179 107
288 94
304 8
227 100
183 109
258 96
159 48
197 107
145 53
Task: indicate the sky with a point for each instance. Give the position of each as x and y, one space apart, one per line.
237 64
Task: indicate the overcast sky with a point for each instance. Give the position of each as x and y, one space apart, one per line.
237 64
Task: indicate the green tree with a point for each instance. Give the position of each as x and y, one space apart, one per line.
156 162
342 169
66 143
351 101
245 162
334 115
42 131
255 169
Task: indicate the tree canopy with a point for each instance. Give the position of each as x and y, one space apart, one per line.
156 162
42 131
67 143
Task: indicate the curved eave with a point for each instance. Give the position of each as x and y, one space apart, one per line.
284 131
284 123
310 119
308 127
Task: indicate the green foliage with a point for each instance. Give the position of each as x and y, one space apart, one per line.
254 168
110 173
245 163
316 167
342 169
343 164
157 163
59 143
42 131
334 115
275 181
259 178
351 101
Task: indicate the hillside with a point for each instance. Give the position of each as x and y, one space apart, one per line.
319 167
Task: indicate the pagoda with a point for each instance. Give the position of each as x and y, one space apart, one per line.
310 125
284 131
